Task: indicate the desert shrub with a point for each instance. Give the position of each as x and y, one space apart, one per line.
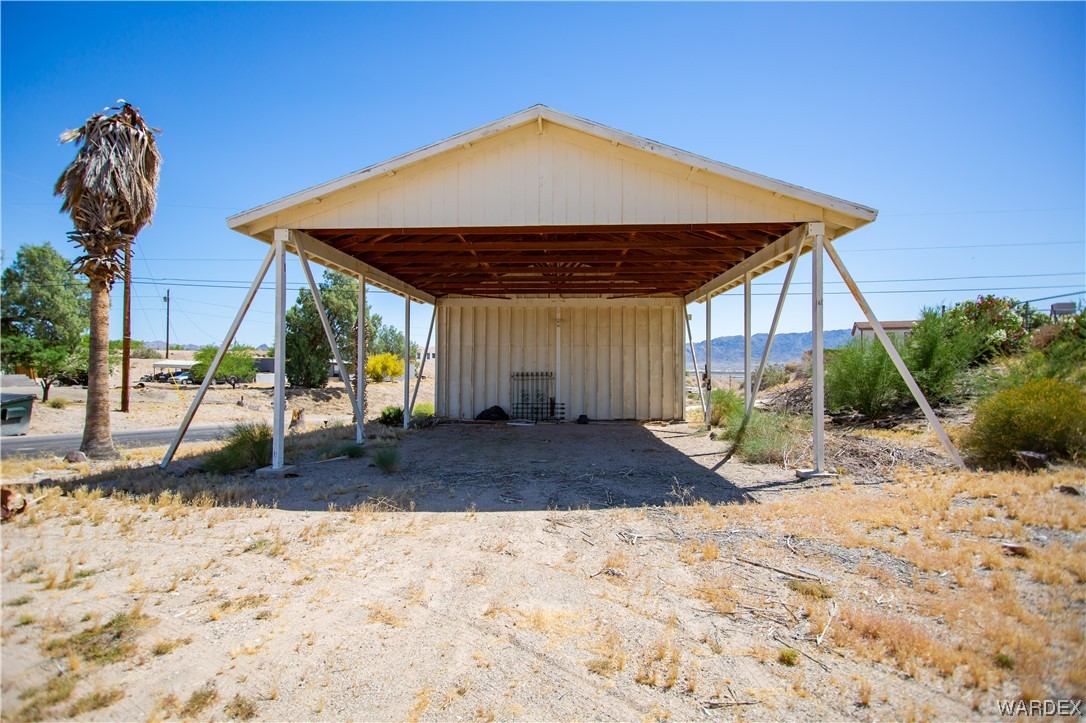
423 409
387 459
997 320
391 417
1041 415
57 403
775 375
380 367
723 403
248 446
861 376
1064 357
938 352
767 436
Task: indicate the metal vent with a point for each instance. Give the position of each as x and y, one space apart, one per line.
533 397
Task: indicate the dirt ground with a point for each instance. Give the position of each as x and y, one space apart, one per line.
158 405
544 572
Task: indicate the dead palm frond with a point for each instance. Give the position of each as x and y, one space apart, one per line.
109 189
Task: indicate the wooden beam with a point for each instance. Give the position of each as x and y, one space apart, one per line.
325 255
769 257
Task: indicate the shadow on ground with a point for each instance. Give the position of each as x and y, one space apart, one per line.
486 468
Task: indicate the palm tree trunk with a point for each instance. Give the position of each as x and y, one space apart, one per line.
97 437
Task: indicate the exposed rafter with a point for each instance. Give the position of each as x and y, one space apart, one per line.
610 260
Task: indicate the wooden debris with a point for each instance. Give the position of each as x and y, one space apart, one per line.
825 629
1070 490
789 573
1013 548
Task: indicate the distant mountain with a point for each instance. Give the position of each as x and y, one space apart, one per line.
161 345
728 350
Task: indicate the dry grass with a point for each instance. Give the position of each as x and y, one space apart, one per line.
946 529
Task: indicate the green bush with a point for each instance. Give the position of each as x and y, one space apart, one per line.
938 353
391 417
774 375
249 446
766 437
861 376
57 403
423 409
1041 415
723 403
380 367
387 459
1064 356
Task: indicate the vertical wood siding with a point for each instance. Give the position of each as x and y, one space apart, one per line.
561 176
618 361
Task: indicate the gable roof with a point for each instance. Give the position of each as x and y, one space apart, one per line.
538 114
542 202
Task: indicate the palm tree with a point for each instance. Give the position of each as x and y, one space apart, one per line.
109 191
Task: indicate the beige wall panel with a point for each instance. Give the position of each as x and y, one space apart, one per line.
554 178
618 362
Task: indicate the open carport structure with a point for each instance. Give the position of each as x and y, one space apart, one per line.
559 256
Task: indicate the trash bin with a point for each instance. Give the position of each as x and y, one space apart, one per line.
15 412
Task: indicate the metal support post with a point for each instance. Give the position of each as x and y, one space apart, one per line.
747 394
279 405
772 330
330 336
880 332
694 357
360 360
422 364
708 356
818 398
557 356
407 362
219 356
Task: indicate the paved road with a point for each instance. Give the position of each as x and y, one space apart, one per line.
64 443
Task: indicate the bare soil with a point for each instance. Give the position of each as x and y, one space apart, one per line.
158 405
543 572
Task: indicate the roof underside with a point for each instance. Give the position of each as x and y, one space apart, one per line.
608 260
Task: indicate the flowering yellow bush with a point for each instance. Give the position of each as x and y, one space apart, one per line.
380 367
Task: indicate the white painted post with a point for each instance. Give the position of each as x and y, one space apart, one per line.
360 360
227 341
708 357
747 395
773 330
406 362
279 406
880 332
557 358
694 357
422 364
818 399
331 337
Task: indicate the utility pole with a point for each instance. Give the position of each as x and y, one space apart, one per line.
126 343
166 298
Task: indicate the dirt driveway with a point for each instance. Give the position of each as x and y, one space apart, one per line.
546 572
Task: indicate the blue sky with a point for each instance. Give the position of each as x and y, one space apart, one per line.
964 124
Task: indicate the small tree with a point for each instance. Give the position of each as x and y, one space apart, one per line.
43 299
237 364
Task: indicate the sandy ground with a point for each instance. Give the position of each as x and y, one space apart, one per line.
157 405
547 572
